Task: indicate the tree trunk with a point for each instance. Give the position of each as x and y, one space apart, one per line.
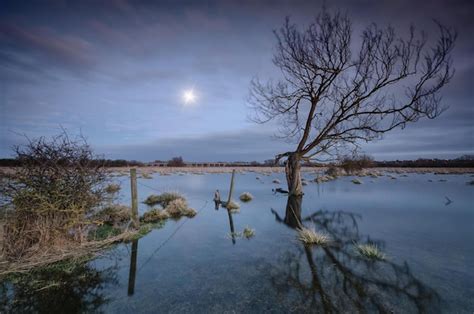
293 175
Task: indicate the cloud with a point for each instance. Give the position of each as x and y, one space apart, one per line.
45 45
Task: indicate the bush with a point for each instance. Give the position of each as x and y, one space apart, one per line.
59 184
356 163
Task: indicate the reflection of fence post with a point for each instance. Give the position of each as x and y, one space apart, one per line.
231 186
133 268
133 185
231 223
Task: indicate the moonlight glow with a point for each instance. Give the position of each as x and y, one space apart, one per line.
189 97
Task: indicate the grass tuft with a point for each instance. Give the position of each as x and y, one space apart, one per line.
146 175
370 251
248 232
154 215
163 199
356 181
179 207
233 205
112 188
311 237
246 197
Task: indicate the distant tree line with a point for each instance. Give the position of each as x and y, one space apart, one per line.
363 161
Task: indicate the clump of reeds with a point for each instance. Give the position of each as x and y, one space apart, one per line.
232 206
356 181
179 207
154 215
163 199
113 215
112 188
312 237
370 251
246 197
248 232
146 175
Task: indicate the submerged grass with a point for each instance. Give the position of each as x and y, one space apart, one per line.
103 232
312 237
370 251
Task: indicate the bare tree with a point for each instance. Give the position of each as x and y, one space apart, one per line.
336 93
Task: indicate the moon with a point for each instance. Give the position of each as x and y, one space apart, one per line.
189 97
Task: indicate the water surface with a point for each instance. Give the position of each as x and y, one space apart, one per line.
195 265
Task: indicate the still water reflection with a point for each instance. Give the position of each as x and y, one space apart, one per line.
203 270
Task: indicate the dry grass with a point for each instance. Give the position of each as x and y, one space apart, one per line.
112 188
55 254
312 237
246 197
113 214
248 232
146 175
179 207
155 215
370 251
233 205
163 199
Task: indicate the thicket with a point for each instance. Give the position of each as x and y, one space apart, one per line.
50 198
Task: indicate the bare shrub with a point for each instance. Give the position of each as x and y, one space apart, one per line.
356 163
59 184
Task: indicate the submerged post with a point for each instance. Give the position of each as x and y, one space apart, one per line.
133 185
231 186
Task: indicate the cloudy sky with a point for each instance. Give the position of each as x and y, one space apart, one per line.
116 71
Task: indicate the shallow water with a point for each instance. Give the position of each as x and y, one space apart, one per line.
194 265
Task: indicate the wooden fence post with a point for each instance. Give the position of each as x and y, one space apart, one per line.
133 185
231 186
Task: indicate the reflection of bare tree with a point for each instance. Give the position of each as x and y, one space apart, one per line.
340 279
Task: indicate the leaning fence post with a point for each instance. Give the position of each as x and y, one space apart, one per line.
231 186
133 185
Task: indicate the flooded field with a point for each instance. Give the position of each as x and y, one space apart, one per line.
423 223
